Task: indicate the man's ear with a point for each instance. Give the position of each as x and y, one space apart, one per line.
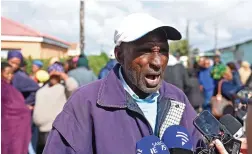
119 55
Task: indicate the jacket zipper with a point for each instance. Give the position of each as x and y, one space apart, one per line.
133 106
146 122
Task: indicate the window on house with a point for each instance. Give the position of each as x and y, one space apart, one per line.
4 53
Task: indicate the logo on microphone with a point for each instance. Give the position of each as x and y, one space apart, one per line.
183 136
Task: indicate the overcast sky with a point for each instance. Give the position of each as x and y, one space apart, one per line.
60 18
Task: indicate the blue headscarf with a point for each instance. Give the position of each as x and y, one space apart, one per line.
38 63
15 54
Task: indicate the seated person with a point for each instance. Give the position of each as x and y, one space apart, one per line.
229 90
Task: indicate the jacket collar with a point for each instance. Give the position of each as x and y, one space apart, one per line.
112 94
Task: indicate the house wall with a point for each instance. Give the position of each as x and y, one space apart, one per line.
242 52
36 50
227 55
246 50
27 48
48 51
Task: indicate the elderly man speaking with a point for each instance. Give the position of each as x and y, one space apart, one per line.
110 115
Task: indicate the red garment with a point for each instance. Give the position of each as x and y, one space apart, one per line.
16 121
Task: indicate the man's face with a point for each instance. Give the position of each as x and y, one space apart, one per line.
228 74
216 59
15 63
201 62
144 62
207 63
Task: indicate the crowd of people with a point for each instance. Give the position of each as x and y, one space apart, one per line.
210 79
30 103
67 109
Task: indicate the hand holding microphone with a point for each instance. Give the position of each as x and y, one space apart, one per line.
220 147
236 129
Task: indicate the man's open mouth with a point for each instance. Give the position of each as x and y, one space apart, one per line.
152 80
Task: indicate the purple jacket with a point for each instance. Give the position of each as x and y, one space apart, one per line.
101 118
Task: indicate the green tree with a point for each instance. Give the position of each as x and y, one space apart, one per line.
96 63
182 47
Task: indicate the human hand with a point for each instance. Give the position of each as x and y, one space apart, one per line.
219 146
244 146
64 76
201 88
55 73
221 149
30 107
219 97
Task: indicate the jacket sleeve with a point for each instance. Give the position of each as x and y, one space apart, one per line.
31 98
71 84
72 129
200 79
237 79
26 86
187 120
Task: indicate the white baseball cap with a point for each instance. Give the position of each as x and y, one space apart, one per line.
136 25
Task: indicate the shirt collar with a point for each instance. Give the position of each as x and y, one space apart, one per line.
149 99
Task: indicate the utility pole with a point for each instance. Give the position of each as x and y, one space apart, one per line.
188 42
82 36
215 36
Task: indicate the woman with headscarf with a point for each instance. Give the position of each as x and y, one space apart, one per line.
20 80
24 84
245 72
36 66
15 116
50 100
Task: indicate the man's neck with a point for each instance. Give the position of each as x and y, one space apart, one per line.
137 91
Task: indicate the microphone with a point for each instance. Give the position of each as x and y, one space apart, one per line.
178 140
241 115
232 125
151 145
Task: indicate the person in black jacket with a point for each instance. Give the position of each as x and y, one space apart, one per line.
176 74
193 93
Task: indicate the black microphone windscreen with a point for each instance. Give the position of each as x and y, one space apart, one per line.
231 123
229 109
180 151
